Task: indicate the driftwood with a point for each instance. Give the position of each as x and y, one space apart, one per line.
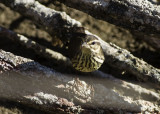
58 23
27 82
138 16
56 57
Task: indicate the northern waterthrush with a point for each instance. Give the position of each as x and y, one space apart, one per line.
88 55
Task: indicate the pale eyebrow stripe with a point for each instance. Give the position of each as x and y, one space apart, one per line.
97 41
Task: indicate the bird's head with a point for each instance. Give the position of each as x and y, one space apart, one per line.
90 45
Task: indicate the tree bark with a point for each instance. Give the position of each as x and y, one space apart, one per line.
27 82
56 57
137 15
59 23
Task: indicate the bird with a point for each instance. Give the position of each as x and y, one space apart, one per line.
87 54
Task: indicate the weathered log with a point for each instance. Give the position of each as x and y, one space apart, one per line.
27 82
56 57
59 23
137 15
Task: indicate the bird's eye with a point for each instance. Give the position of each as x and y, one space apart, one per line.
93 43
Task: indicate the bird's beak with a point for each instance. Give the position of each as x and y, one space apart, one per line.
85 45
85 48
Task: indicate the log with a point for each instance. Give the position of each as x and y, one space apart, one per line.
60 24
29 83
137 15
56 57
